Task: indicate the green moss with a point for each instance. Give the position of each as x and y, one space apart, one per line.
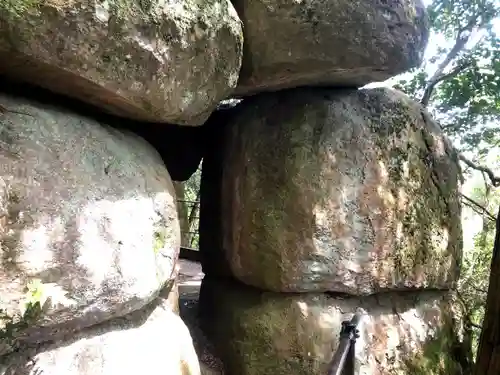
32 309
15 9
261 323
437 357
11 326
448 352
159 240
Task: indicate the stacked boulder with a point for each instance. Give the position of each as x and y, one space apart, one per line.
317 197
89 243
89 229
320 197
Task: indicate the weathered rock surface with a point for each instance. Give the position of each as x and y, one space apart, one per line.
172 299
353 192
155 61
269 333
86 210
153 341
334 43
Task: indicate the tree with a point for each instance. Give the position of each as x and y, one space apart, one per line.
488 358
473 283
459 83
188 207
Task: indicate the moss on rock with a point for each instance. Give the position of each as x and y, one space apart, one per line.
258 332
347 191
30 312
175 83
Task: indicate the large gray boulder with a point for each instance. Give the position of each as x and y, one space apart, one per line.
89 226
258 332
290 43
353 192
149 60
153 340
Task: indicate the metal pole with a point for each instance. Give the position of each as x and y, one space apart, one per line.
348 336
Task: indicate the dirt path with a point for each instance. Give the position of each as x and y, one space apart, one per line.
190 276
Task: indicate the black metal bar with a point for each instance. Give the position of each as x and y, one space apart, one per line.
348 335
190 254
184 248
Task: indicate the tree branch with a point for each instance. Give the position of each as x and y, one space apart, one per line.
442 77
477 207
495 180
461 40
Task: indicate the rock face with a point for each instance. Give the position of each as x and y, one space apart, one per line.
347 196
353 192
88 219
406 333
148 60
329 42
154 341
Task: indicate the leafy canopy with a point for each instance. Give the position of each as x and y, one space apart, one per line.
459 80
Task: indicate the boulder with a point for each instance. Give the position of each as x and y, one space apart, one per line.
353 192
330 42
88 222
416 333
172 297
153 341
148 60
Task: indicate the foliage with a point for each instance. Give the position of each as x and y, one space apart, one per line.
16 8
188 203
462 71
38 297
473 285
30 310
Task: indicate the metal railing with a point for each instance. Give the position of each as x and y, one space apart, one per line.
190 229
348 335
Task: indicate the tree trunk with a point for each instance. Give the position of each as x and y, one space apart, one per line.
488 355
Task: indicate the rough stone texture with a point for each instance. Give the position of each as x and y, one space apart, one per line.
353 192
149 60
88 210
153 341
328 42
258 332
172 299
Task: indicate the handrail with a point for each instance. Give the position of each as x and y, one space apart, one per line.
348 335
188 253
